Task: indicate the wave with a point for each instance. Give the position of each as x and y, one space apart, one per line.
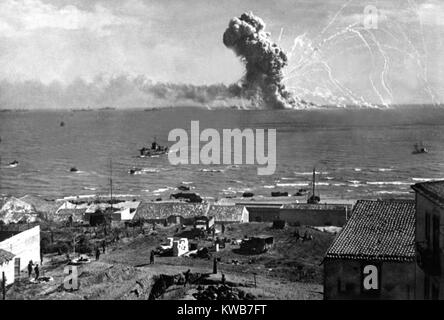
89 188
392 192
297 184
426 179
146 170
269 187
388 182
385 169
211 170
354 181
309 173
357 169
161 190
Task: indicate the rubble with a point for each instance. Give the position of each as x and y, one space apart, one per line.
222 292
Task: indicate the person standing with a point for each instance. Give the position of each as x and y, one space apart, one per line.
37 271
97 254
30 268
214 266
103 246
152 257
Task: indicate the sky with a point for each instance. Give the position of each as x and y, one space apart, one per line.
335 57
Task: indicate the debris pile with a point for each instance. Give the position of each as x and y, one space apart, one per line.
222 292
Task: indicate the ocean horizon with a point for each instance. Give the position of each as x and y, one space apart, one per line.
362 153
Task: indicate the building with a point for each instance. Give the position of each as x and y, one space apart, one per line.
6 266
257 244
160 212
263 212
321 214
224 214
300 213
373 257
18 248
429 239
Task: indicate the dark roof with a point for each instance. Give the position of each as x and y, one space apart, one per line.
377 230
434 189
5 256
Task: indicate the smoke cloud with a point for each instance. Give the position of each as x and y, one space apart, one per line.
121 92
264 60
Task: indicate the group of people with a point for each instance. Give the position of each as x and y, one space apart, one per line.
35 267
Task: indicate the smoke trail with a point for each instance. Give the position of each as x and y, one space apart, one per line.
263 60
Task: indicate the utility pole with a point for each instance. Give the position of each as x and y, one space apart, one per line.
111 181
4 285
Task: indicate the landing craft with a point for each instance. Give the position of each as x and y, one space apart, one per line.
419 148
155 150
13 164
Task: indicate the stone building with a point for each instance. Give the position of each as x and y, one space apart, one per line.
373 257
17 249
429 240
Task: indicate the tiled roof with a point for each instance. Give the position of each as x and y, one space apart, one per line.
163 210
226 212
378 229
5 256
434 189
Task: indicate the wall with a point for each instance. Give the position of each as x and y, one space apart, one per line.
317 215
342 280
304 214
261 214
425 205
8 268
25 245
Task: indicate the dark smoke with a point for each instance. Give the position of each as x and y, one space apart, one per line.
264 60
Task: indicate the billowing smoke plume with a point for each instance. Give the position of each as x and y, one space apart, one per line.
263 60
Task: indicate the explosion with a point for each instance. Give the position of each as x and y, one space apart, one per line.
264 60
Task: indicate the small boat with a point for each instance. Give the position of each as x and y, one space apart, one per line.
13 164
62 124
73 169
155 150
419 148
135 171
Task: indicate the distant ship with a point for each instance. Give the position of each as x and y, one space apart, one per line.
107 109
13 164
419 148
155 150
82 109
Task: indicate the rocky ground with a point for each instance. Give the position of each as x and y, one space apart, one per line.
290 270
